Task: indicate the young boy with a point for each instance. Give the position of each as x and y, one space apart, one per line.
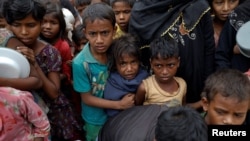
122 9
225 97
162 87
90 68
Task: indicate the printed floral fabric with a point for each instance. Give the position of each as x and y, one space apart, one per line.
5 35
21 119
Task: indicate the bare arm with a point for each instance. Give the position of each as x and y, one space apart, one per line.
126 102
140 95
51 83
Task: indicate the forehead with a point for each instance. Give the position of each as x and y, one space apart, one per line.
98 24
156 59
27 19
229 103
121 4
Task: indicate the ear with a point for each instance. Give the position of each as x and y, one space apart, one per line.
84 32
205 103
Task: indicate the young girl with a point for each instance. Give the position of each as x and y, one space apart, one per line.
54 32
162 87
24 18
122 9
125 69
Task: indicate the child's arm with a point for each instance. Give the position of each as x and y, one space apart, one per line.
32 81
140 95
126 102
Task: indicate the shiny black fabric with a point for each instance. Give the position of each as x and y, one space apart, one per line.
134 124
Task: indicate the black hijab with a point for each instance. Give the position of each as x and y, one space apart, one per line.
154 18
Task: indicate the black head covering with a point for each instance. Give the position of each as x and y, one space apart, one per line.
153 18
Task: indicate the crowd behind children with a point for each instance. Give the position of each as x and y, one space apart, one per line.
102 69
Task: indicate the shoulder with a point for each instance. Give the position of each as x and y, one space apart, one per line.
5 35
180 80
15 94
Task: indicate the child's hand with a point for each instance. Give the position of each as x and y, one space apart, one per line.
127 101
28 53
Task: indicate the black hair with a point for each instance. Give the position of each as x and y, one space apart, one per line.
181 124
164 47
228 83
55 9
210 2
130 2
100 11
82 2
1 8
125 44
19 9
78 34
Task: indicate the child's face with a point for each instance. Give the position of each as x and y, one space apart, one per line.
122 12
225 110
164 69
26 30
80 8
127 66
50 26
100 34
222 8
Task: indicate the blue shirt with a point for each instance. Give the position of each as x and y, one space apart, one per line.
91 78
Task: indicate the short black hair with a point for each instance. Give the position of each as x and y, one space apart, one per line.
181 123
100 11
19 9
130 2
228 83
163 47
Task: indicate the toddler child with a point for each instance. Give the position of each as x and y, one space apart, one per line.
126 72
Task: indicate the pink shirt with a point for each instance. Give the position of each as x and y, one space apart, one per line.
21 119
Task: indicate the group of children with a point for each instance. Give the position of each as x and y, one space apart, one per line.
109 74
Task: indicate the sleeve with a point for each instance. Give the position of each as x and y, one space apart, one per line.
81 82
34 114
66 58
54 60
224 51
